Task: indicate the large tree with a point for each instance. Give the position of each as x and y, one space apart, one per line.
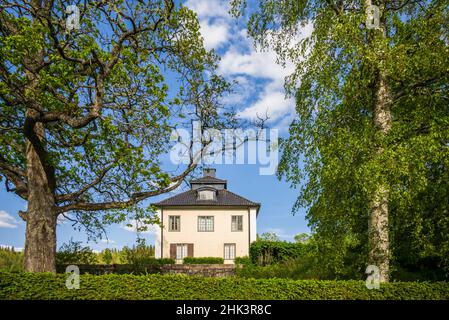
86 113
371 131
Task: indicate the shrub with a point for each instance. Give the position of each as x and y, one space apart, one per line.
19 285
243 260
151 265
74 253
263 252
166 261
11 260
138 255
107 256
203 260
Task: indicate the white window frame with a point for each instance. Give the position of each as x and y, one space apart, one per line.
182 250
174 223
208 225
229 251
206 195
235 224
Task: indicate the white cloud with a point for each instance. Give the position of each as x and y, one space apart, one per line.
242 62
7 221
132 226
258 64
62 219
271 103
214 21
107 241
214 34
6 246
209 8
281 233
242 59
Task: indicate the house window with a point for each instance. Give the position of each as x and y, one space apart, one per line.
174 223
181 251
237 223
229 251
206 195
205 223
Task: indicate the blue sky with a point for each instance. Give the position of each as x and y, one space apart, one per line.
259 91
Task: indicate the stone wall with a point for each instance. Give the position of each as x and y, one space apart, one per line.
207 270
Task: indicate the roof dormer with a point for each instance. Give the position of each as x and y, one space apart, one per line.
207 194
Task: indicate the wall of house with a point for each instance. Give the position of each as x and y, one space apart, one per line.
207 244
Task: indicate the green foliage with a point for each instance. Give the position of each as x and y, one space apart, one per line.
174 287
269 236
107 256
302 237
74 253
149 266
11 260
166 261
265 252
139 255
203 260
243 260
331 152
108 97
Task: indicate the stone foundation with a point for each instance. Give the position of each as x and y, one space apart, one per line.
206 270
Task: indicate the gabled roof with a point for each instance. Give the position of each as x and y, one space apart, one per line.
224 198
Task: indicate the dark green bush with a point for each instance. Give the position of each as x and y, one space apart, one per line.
243 260
151 265
203 260
11 260
166 261
74 253
18 285
264 252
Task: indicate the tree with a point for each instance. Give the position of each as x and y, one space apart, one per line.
73 252
86 114
302 238
371 108
107 256
269 236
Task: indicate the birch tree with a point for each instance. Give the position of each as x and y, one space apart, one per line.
372 108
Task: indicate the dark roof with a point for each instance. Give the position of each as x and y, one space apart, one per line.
208 180
224 198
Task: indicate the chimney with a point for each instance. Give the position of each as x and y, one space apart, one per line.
209 172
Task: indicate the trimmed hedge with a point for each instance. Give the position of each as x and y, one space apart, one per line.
151 265
17 285
203 260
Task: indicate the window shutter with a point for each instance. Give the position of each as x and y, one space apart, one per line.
190 250
172 250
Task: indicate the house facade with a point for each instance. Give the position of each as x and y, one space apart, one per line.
206 221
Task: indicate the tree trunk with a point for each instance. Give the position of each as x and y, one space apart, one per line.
40 239
378 225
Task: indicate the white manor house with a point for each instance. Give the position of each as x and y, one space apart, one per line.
206 221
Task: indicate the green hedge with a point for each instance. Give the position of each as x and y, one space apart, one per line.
203 260
151 265
16 285
264 252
